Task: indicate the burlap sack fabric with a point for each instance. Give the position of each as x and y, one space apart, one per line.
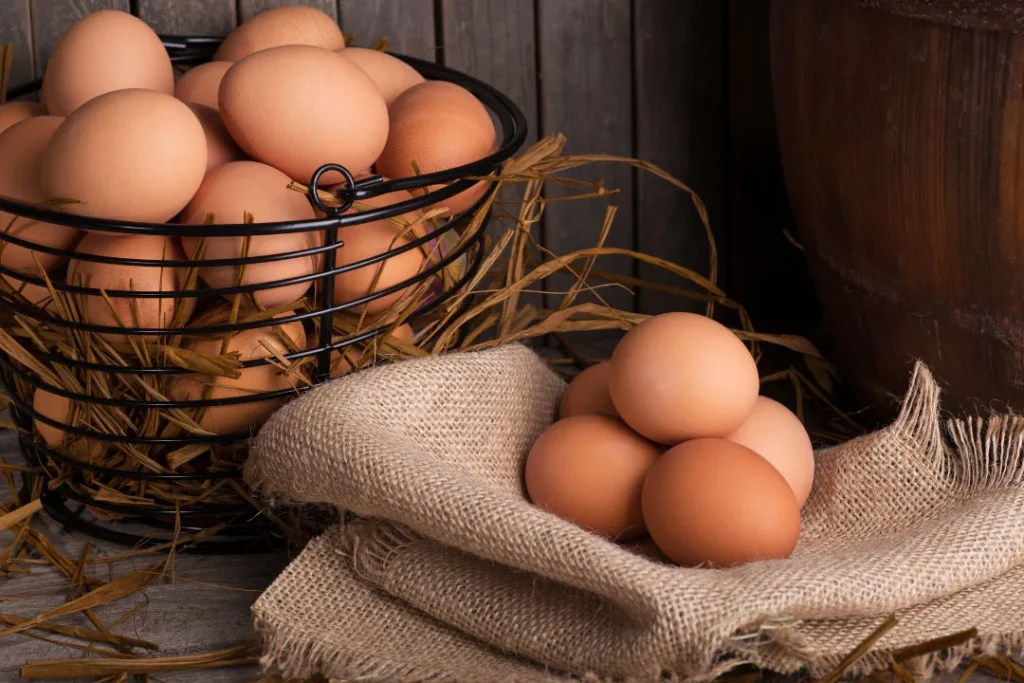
446 570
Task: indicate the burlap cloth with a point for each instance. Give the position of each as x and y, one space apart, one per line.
445 571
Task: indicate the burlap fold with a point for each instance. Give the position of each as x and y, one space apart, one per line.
449 572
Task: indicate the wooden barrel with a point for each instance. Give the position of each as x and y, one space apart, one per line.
901 125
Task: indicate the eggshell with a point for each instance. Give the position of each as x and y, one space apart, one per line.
714 502
133 155
12 112
680 376
60 409
31 292
21 148
103 52
589 470
220 147
230 192
436 126
366 353
248 344
299 107
153 313
281 26
200 84
391 75
587 394
778 436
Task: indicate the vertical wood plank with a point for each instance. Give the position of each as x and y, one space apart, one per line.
50 18
408 25
586 93
16 28
248 8
189 17
681 115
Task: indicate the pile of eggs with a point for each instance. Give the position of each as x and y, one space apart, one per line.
671 438
118 136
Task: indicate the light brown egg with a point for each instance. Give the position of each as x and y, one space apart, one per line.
589 470
680 376
299 107
248 344
103 52
61 409
133 155
281 26
391 75
200 84
717 503
436 126
587 394
12 112
227 194
220 147
778 436
366 353
34 294
21 148
151 313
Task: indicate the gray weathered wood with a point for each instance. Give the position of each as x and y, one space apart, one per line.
50 18
189 17
16 28
247 8
408 25
586 93
681 126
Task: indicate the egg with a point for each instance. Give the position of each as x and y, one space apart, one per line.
34 294
12 112
103 52
200 84
281 26
21 147
680 376
587 394
391 75
220 147
150 313
436 126
589 470
249 345
133 155
61 409
367 353
716 503
228 193
299 107
778 436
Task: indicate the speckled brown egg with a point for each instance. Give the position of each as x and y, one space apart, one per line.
133 155
391 75
299 107
12 112
249 187
220 147
436 126
281 26
367 353
21 148
103 52
587 394
200 84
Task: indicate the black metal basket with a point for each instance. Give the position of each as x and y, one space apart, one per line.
242 528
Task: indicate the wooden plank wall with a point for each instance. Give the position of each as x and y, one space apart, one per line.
646 78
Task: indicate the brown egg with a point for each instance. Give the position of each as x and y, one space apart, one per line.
714 502
200 84
778 436
220 147
248 344
587 394
12 112
227 194
281 26
60 409
103 52
133 155
299 107
366 353
391 75
680 376
436 126
151 313
589 470
21 148
34 294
